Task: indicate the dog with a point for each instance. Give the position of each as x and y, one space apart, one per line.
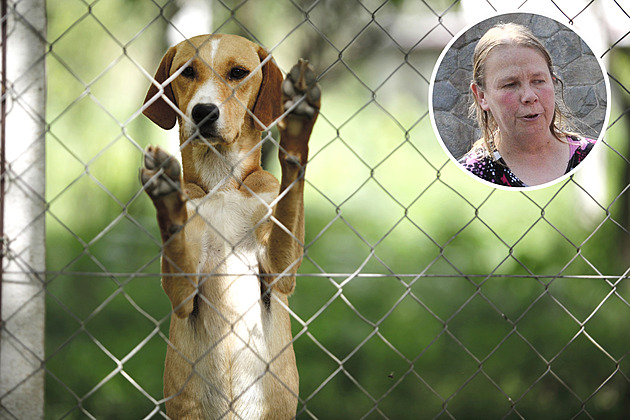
232 234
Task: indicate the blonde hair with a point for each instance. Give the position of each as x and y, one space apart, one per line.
514 35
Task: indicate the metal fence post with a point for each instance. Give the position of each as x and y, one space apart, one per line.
24 206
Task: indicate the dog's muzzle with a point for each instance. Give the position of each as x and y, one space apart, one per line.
205 117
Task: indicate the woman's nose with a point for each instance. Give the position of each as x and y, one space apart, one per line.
528 95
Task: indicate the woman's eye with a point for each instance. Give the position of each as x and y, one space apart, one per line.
238 73
188 72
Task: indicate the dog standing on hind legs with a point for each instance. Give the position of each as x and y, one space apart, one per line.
232 235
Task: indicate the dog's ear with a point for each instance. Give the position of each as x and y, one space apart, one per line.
160 111
268 104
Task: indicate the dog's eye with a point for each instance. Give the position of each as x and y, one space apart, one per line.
188 72
237 73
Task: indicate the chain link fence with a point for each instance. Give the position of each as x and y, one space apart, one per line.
423 293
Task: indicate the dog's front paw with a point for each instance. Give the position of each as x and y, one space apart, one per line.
301 99
160 175
300 92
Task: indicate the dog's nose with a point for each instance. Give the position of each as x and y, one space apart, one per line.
203 114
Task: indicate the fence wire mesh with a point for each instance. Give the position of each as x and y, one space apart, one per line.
422 294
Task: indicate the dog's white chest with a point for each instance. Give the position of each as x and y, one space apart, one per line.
233 316
229 251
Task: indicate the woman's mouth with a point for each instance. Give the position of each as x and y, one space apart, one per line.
530 117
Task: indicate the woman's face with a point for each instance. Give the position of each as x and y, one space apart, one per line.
519 91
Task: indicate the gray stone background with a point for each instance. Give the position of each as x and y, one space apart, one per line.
574 63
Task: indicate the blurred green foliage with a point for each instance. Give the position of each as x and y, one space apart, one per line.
424 294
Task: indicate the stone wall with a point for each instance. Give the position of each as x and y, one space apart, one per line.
584 89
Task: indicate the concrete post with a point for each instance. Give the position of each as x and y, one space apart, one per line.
24 206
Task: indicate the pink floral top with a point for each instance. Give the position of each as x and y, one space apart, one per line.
496 171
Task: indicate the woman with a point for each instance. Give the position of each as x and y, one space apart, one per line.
524 142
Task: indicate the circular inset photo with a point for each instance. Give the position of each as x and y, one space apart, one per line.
519 100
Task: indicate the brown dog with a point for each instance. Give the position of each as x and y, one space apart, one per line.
232 235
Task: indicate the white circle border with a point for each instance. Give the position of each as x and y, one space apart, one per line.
505 187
